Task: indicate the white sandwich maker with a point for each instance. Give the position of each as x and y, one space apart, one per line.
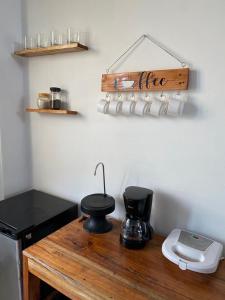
192 251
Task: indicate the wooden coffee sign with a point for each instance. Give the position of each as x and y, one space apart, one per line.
159 80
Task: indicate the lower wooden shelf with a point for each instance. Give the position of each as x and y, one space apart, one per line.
52 111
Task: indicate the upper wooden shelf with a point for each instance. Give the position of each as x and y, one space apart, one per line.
74 47
52 111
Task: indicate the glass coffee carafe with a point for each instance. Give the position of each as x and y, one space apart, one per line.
136 229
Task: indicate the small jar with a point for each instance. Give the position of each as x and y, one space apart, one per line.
56 100
43 101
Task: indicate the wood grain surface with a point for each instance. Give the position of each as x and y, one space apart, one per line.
146 81
73 47
52 111
90 266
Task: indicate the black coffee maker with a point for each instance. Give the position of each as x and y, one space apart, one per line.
136 229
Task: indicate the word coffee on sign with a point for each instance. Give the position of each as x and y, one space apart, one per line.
159 80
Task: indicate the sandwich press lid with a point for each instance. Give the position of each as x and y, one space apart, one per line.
192 251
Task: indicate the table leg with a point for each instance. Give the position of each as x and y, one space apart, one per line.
31 283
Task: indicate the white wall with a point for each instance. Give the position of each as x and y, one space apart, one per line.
14 125
182 160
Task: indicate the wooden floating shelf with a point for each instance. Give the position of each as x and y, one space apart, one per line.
74 47
52 111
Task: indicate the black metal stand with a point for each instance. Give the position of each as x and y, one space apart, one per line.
97 224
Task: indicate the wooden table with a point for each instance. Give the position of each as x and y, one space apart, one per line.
89 266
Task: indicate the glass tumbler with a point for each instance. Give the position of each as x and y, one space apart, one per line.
43 101
29 42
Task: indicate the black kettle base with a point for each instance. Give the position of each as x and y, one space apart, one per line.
132 244
97 224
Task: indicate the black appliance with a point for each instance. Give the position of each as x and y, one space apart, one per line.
136 229
24 220
97 206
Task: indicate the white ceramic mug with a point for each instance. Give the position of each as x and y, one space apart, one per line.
141 107
114 107
103 106
174 108
181 96
156 108
128 107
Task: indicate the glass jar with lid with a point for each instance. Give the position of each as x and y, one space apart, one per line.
43 101
56 99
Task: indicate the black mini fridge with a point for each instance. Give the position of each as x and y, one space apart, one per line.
24 220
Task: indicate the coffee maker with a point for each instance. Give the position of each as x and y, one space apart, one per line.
136 229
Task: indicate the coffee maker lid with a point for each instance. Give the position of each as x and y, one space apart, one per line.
137 193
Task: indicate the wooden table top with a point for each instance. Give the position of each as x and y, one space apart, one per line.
90 266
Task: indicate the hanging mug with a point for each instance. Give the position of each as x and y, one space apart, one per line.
115 106
141 107
174 108
156 107
181 96
103 105
128 105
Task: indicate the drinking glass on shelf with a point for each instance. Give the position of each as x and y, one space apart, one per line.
25 42
45 40
57 38
69 35
29 42
80 37
76 37
52 38
38 40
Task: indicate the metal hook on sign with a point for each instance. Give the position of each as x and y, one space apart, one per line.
107 97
